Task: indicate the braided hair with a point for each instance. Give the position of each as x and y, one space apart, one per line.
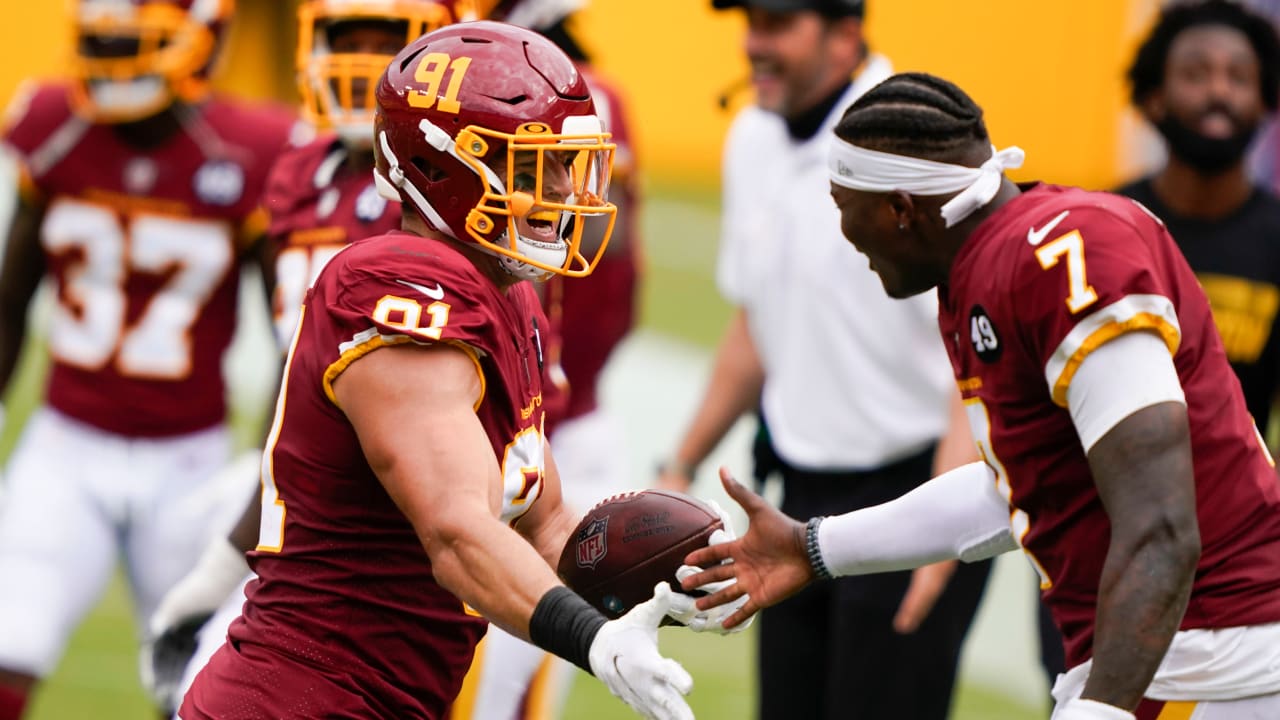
915 114
1146 75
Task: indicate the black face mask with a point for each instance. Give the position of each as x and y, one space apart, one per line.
1208 155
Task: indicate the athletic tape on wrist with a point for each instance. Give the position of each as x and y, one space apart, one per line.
565 625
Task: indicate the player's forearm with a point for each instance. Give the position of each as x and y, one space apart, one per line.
1143 472
736 381
957 515
491 568
1142 598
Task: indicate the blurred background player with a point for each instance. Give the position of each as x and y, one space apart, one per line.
857 403
320 196
407 449
589 317
139 201
1205 76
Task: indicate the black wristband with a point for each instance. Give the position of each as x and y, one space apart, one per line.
815 552
565 625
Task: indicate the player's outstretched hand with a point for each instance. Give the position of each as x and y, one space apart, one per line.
1081 709
769 562
625 657
172 629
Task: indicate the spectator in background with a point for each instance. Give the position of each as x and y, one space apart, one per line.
139 199
1205 77
854 386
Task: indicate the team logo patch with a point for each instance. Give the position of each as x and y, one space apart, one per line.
591 543
370 205
219 182
983 335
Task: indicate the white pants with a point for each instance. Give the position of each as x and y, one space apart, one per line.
1237 668
590 453
77 498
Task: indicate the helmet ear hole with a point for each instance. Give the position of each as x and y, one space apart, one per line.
431 172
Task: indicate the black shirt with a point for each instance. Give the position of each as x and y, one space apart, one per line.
1237 260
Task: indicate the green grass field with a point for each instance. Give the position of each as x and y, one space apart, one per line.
97 677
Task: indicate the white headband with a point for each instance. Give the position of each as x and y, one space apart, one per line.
874 171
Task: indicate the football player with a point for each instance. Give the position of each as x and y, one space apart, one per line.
407 456
139 200
1118 451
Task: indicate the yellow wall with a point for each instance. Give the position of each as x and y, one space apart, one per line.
1050 75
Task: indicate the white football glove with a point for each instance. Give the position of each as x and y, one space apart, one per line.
625 657
1082 709
173 627
683 609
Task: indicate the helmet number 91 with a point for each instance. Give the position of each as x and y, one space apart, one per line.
431 72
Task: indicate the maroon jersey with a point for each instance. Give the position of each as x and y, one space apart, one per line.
143 248
318 204
591 315
1040 284
345 602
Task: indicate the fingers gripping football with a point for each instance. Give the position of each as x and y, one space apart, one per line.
625 657
684 608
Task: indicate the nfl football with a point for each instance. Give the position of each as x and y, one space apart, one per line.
631 542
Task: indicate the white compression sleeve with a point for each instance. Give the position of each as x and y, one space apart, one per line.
957 514
1121 377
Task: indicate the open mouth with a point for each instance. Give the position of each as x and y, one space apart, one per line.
543 225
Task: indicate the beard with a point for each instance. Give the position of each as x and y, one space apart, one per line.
1205 154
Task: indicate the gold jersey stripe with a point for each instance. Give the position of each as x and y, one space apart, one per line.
1110 331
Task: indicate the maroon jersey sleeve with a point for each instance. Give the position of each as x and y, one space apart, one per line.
1093 275
382 304
35 115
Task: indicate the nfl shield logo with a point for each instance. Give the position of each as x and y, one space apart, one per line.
591 545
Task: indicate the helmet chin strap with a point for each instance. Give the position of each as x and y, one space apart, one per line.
552 254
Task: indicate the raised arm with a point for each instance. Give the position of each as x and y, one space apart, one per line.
957 515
